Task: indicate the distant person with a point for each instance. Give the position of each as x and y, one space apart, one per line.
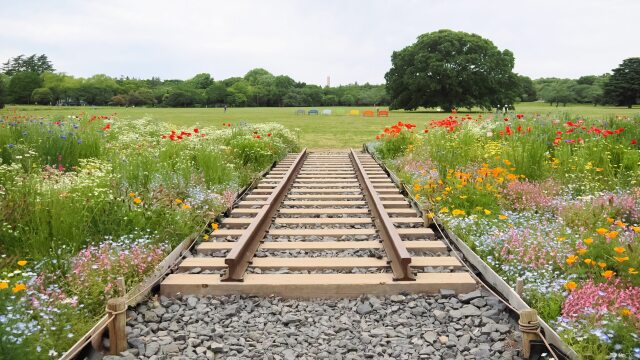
225 107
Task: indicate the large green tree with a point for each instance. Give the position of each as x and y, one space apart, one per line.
22 85
623 87
451 69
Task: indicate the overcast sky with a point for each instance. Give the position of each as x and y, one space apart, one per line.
309 40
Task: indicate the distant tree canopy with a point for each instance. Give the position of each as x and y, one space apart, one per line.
623 88
22 63
451 69
446 69
586 90
258 87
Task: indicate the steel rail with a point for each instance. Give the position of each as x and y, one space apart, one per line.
399 257
239 258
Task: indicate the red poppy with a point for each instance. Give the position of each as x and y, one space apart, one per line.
195 130
634 142
506 119
164 136
257 136
268 134
426 131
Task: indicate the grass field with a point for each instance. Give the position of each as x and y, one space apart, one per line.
339 130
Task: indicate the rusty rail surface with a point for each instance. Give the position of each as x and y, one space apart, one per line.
239 258
399 257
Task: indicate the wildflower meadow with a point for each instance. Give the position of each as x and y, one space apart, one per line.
553 200
86 199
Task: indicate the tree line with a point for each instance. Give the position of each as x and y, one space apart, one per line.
443 69
33 80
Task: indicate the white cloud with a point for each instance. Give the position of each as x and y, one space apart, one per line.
350 40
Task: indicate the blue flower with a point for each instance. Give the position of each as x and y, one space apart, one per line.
79 141
63 137
10 146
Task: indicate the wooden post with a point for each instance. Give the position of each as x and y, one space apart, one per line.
121 289
519 287
117 334
529 326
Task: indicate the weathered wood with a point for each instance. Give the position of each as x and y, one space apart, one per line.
315 285
528 320
422 232
117 333
239 257
323 203
330 210
321 232
316 263
519 286
396 204
324 221
419 245
400 259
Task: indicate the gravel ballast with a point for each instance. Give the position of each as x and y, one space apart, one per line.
468 326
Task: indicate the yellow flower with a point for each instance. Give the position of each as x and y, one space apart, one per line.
22 262
612 234
438 198
463 197
137 201
570 285
186 206
571 259
588 241
132 194
602 265
581 251
625 312
444 210
619 249
635 228
620 223
562 238
502 217
417 196
633 271
178 201
205 237
18 288
3 285
214 226
621 259
487 212
609 220
599 169
430 215
601 231
456 212
608 274
588 261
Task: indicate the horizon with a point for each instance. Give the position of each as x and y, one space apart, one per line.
309 41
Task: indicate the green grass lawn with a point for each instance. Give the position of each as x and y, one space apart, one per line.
339 130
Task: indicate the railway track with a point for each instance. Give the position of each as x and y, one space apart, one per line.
321 225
